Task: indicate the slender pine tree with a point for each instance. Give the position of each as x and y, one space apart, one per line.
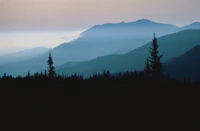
51 70
155 63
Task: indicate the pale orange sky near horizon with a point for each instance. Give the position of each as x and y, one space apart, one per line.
82 14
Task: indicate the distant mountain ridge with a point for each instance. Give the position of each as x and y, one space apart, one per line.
139 26
141 22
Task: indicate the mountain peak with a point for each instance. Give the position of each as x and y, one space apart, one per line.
144 21
137 23
195 25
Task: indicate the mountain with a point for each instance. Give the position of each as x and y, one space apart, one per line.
170 46
23 55
195 25
185 66
101 40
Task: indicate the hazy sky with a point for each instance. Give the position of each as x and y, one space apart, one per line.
16 41
81 14
53 20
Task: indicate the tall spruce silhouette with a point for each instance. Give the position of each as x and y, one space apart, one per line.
51 70
155 63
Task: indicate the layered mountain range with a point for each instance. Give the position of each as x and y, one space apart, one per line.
116 47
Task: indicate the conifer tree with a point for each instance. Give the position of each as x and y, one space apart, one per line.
108 73
28 74
51 70
41 73
4 75
45 73
155 63
147 69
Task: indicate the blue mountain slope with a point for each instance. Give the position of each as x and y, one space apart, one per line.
185 66
170 46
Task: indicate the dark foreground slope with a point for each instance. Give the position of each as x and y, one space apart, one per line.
185 66
169 46
125 100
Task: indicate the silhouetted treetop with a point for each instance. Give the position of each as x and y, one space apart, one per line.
51 70
155 62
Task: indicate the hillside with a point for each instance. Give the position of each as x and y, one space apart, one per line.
23 55
185 66
170 46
